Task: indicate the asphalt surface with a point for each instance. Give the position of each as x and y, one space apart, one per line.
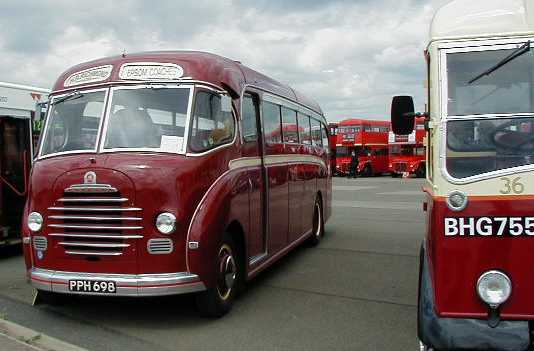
355 291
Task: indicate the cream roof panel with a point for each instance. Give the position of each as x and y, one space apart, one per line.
483 18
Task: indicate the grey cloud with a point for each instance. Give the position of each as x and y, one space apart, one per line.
351 56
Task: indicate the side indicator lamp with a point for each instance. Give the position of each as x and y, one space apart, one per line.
494 288
457 200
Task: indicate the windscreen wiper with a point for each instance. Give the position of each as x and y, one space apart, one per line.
72 96
523 49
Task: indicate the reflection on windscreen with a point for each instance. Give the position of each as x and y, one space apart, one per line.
486 145
507 90
73 124
147 118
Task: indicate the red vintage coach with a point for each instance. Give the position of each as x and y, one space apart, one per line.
161 173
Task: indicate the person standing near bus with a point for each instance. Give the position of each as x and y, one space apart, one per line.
353 165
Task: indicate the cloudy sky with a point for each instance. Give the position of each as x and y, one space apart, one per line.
350 56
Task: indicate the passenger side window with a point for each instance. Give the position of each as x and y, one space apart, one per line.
271 123
324 136
304 129
289 126
248 116
211 126
315 132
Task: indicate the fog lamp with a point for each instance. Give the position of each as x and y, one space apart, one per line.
494 288
457 200
35 221
166 223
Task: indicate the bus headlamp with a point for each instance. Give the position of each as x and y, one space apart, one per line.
457 200
35 221
494 288
166 223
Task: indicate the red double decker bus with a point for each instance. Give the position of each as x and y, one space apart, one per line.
156 176
369 139
407 152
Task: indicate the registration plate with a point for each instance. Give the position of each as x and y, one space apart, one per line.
93 286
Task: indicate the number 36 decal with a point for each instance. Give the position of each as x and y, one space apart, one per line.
512 186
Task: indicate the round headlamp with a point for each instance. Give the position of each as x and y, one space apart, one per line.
457 200
166 223
35 221
494 288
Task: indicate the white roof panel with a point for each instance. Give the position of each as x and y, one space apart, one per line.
483 18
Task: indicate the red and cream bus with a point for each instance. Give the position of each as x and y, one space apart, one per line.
476 283
164 173
369 140
17 111
407 152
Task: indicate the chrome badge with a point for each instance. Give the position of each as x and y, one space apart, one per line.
89 178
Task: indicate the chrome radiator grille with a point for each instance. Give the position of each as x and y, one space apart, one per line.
94 220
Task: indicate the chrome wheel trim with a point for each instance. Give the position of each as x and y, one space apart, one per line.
319 223
423 347
227 272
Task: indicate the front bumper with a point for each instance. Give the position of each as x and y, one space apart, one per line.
127 284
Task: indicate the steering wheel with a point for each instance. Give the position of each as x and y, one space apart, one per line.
513 139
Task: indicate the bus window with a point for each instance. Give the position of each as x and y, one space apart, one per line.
73 124
211 126
316 132
248 115
289 126
304 129
146 118
271 123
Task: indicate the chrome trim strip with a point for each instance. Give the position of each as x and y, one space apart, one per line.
68 226
79 244
91 199
96 236
93 253
94 218
96 209
255 259
85 188
127 284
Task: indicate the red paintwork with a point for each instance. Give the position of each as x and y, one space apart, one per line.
457 262
363 142
407 161
205 195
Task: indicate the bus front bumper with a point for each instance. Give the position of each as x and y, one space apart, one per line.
125 284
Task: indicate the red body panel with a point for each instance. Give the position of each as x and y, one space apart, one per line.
403 157
458 261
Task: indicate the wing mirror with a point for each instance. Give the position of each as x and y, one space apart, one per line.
402 115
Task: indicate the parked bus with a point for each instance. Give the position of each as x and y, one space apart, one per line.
164 173
475 285
407 152
17 110
369 140
332 140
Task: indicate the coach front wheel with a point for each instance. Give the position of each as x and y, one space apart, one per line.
218 300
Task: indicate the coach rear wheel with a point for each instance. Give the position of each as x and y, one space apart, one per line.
420 172
218 300
318 223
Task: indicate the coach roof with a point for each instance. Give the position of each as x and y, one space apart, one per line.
199 66
483 18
